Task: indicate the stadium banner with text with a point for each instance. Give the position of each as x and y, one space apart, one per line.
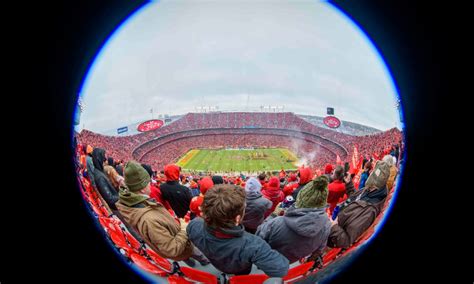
332 121
122 130
150 125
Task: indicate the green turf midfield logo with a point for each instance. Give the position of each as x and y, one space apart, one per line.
238 160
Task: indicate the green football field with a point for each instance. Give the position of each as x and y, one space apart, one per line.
225 160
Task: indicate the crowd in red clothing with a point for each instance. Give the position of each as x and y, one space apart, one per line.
166 144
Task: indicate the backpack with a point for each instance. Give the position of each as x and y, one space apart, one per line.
379 175
377 178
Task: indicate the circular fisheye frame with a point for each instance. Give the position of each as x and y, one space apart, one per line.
202 126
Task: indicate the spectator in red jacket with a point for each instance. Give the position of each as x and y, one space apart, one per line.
337 188
291 185
273 193
305 176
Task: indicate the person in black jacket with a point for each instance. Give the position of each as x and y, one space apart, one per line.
221 237
178 196
105 188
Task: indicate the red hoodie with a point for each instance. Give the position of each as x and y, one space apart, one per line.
172 172
305 175
273 193
337 189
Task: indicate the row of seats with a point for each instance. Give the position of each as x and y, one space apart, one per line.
146 259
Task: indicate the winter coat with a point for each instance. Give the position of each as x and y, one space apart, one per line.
357 217
90 170
178 196
299 233
273 193
158 228
233 251
257 206
105 188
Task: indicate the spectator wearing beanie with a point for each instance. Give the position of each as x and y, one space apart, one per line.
204 184
305 227
257 205
164 233
273 193
177 195
105 188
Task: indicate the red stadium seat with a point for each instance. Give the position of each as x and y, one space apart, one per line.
120 242
134 243
330 255
162 262
110 224
146 265
176 279
198 276
97 211
244 279
297 272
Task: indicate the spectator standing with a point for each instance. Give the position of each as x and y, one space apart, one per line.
177 195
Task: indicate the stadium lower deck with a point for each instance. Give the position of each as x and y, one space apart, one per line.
157 268
234 130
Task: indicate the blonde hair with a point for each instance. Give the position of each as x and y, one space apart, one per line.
113 176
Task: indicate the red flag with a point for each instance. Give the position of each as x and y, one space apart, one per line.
338 160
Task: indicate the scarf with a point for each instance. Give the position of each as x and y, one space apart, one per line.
130 198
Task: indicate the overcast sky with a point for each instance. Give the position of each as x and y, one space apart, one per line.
173 56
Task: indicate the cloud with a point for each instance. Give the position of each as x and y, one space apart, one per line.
176 55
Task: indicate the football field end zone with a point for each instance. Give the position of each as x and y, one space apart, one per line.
187 157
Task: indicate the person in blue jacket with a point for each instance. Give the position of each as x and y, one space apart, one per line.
221 237
365 174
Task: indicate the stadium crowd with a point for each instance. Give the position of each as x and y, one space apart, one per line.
208 218
236 221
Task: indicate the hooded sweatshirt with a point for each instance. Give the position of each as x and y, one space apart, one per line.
299 233
233 250
178 196
273 193
256 206
305 177
105 188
